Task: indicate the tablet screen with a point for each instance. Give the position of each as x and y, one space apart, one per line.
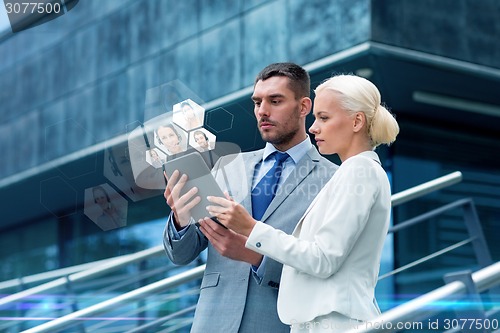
199 176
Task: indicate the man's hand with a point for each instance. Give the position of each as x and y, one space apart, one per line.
228 243
181 205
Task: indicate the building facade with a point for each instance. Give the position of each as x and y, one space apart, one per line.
74 88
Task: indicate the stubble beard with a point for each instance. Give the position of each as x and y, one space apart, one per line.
280 139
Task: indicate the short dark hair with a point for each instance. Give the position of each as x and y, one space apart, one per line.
300 83
185 103
198 132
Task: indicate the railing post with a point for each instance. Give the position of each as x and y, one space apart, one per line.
74 302
479 241
474 312
476 232
19 306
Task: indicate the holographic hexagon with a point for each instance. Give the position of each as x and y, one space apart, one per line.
66 197
105 207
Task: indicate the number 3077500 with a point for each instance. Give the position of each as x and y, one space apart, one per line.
32 7
470 324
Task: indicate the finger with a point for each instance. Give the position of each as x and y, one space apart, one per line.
190 205
208 230
186 197
179 185
219 226
219 201
215 228
228 197
173 179
166 193
216 210
173 198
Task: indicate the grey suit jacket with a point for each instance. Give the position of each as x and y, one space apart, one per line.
231 299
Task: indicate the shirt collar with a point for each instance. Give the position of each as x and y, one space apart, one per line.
371 154
296 152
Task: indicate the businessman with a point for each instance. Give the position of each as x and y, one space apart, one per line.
240 287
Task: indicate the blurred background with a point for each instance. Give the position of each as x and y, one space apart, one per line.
74 89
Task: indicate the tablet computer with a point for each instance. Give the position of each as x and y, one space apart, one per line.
199 176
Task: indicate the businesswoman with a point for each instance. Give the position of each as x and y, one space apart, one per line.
170 140
331 260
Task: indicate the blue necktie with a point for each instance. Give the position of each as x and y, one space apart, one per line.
265 190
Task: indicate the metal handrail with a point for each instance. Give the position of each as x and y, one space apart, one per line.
425 188
117 263
162 320
417 309
476 236
22 281
155 287
187 276
426 258
84 275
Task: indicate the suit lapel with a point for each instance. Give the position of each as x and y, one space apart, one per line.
301 171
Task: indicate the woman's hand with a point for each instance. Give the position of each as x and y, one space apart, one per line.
231 214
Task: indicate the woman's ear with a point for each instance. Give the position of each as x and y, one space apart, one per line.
359 121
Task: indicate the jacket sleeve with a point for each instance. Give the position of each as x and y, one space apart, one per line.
185 249
337 219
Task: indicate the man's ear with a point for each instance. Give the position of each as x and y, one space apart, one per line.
305 106
359 121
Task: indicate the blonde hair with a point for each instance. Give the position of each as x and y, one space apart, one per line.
357 94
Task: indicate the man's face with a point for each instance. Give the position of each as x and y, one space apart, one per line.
277 110
201 141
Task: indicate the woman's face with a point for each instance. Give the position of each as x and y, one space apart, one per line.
100 198
154 155
332 127
188 111
169 139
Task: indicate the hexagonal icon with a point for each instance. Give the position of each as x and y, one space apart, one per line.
161 99
170 138
156 158
76 137
105 207
61 203
219 120
118 170
202 140
140 144
188 115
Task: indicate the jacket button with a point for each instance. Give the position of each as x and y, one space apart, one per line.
258 244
